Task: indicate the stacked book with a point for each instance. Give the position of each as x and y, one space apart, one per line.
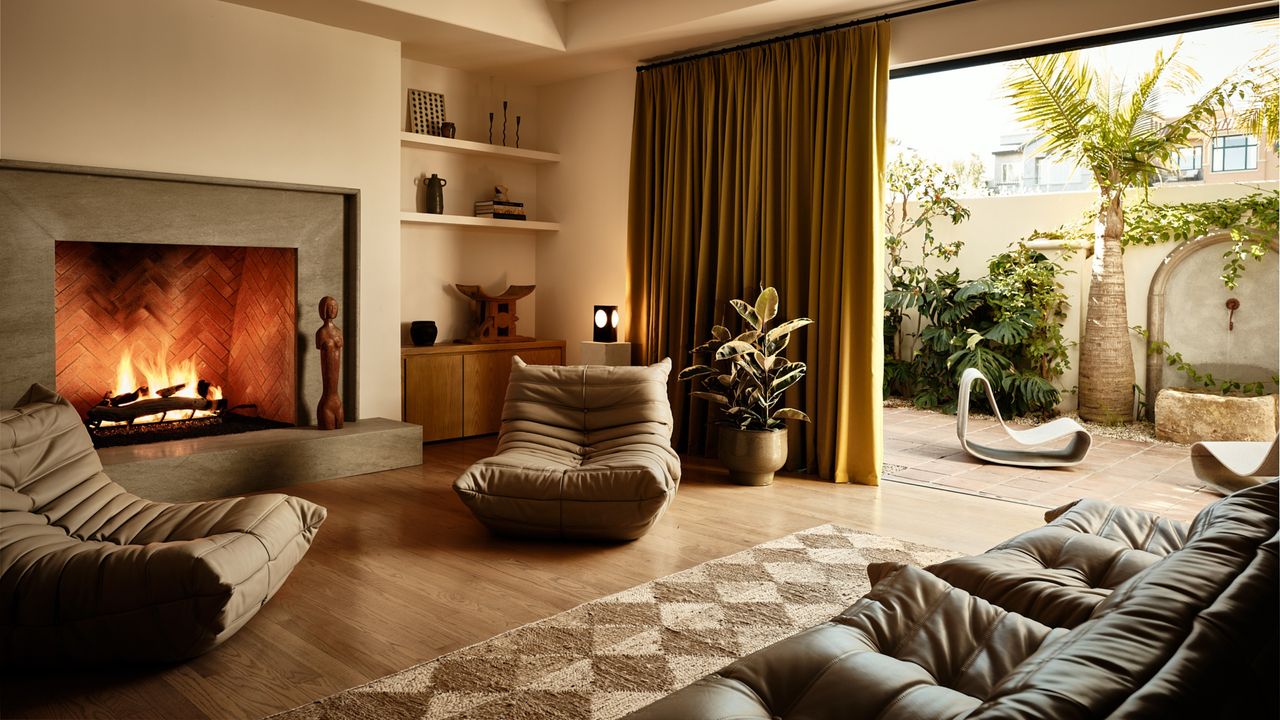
500 210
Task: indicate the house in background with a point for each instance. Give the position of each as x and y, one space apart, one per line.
1020 168
1231 155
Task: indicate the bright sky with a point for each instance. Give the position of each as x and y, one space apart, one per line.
949 115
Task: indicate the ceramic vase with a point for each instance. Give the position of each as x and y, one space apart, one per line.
423 332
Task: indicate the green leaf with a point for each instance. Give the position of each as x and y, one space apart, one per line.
787 328
787 377
899 299
720 332
767 305
716 398
976 287
1008 331
734 348
747 312
695 371
789 414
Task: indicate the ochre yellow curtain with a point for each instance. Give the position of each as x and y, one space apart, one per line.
763 166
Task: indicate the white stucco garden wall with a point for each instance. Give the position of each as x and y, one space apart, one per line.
997 223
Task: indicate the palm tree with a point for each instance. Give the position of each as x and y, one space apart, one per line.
1114 131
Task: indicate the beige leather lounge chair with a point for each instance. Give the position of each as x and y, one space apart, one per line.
584 452
1072 453
1232 466
92 573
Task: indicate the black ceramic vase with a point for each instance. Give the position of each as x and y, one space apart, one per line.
435 194
423 332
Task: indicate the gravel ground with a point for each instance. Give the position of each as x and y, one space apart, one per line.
1139 431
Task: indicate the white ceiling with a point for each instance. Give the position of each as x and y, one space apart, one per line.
548 40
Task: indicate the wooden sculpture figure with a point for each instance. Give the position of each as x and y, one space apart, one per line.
329 343
495 314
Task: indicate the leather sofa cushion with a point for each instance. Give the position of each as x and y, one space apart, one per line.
1130 527
1059 573
914 647
1172 641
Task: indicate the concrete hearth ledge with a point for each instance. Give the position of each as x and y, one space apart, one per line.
214 467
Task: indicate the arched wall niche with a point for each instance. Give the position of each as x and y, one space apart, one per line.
1187 308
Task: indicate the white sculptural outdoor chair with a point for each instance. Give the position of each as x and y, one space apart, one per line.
1028 456
1232 466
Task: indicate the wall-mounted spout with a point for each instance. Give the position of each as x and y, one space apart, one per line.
1232 306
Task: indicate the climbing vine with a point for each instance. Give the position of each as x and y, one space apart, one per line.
1203 380
1251 220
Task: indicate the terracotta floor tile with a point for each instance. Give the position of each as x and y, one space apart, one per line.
1152 476
918 474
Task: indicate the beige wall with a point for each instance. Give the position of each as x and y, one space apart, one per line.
208 88
435 257
588 121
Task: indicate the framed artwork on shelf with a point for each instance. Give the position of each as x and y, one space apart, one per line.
426 112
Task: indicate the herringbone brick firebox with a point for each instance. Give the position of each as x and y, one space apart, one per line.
231 310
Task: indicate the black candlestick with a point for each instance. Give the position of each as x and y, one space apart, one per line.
490 128
504 123
517 131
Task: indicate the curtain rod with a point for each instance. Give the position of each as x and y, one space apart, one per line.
804 33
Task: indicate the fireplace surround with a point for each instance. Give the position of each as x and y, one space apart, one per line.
42 205
218 232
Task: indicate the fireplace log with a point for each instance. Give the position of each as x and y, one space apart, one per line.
124 399
166 392
133 411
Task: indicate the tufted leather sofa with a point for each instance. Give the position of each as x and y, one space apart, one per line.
584 452
1059 573
92 573
1189 633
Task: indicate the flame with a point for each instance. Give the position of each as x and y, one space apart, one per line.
124 374
160 374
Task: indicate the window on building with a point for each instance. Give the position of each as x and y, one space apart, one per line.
1190 159
1235 152
1009 172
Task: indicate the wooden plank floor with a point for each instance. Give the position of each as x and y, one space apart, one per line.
401 573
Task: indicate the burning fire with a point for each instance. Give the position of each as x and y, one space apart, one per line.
160 380
159 375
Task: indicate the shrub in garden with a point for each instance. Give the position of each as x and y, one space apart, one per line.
936 324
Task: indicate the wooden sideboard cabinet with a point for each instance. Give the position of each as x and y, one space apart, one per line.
455 390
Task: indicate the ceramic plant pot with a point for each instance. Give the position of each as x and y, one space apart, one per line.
423 332
752 456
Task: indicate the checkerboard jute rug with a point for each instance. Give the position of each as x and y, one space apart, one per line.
608 657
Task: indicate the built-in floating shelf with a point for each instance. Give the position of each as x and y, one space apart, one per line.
407 218
466 147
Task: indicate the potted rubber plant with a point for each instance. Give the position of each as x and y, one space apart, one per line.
747 376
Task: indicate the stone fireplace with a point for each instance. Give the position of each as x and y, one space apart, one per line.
203 280
223 277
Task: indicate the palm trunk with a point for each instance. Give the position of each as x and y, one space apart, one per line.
1106 355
